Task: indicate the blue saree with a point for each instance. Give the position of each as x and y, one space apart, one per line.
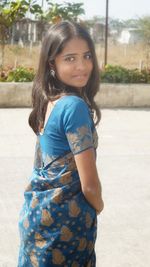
57 225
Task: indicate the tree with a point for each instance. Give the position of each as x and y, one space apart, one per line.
65 11
55 13
73 10
144 30
130 23
10 12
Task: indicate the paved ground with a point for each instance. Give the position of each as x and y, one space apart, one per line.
124 168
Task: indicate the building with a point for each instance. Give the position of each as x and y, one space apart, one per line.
27 31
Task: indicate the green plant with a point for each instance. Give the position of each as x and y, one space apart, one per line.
110 74
66 11
119 74
20 74
114 74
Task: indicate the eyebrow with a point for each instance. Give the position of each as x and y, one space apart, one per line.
74 54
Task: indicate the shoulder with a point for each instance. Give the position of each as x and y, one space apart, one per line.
73 101
74 109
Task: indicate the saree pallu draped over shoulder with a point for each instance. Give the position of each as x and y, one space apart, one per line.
57 225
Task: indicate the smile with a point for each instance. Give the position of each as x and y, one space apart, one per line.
80 76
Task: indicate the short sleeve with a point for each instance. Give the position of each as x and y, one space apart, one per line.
77 126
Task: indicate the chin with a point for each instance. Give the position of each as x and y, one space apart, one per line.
79 85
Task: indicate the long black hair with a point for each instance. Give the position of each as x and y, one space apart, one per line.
48 88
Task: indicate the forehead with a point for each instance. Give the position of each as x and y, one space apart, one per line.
75 45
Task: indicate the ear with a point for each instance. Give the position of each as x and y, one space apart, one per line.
52 65
52 68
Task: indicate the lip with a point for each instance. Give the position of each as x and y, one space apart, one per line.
80 76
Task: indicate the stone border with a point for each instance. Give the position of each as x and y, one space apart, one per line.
109 96
13 95
123 95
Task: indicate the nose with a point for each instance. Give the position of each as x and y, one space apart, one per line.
80 64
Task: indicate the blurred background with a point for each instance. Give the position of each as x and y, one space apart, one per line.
120 27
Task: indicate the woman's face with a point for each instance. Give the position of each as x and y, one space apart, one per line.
74 64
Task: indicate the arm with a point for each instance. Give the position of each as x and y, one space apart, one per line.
90 183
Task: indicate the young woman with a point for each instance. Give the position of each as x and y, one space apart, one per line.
63 198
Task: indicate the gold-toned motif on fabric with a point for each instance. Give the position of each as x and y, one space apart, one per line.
72 165
90 246
46 218
69 161
34 202
74 210
89 264
57 256
66 234
39 240
48 186
34 259
57 195
81 139
82 244
26 223
66 178
88 220
75 264
86 142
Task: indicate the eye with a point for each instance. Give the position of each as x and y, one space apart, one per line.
70 58
88 56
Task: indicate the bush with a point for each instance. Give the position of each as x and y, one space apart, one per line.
20 74
110 74
118 74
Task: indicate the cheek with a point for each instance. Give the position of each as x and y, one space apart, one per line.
63 71
91 66
88 65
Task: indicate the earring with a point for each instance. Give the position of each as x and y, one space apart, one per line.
52 73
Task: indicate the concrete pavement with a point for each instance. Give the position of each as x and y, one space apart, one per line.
124 166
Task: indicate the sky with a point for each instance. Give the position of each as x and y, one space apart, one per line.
121 9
